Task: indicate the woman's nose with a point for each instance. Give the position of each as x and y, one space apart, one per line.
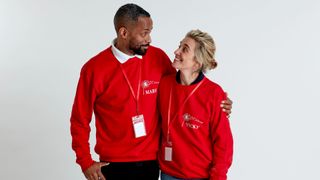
176 52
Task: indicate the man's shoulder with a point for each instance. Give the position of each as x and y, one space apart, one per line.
105 56
158 56
155 50
168 78
102 60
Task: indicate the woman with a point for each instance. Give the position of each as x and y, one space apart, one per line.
196 137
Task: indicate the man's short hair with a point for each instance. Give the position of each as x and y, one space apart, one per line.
128 13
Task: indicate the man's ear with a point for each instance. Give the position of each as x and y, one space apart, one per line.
123 32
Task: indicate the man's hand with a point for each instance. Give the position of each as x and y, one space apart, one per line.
227 105
94 171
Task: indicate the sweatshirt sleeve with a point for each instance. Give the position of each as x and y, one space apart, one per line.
81 117
222 141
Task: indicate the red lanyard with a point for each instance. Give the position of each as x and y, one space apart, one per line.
136 98
181 107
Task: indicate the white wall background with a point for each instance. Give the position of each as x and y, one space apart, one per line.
268 62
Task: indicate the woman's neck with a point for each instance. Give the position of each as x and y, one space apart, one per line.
187 77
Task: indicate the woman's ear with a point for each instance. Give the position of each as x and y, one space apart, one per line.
197 66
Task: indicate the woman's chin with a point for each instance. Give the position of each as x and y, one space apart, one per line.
175 65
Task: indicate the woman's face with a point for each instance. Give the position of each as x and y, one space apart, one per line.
184 55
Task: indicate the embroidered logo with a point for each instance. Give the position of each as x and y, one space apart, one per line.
147 83
191 121
148 88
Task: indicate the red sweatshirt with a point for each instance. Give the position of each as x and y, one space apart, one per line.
103 89
200 135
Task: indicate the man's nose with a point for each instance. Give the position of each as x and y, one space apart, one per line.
148 40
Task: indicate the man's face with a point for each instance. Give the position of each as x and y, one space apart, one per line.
139 35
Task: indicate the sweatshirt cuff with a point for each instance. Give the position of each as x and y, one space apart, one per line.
86 164
217 177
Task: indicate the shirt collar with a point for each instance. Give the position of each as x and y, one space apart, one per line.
198 79
121 56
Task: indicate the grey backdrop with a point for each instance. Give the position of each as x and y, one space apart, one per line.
268 63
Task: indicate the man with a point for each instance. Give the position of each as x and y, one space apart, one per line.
120 86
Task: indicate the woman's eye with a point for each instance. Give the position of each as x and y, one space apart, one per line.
184 49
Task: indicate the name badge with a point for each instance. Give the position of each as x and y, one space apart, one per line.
138 126
168 153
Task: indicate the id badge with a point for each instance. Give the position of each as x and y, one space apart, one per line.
138 126
168 153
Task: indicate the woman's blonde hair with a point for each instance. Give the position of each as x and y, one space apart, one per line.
205 49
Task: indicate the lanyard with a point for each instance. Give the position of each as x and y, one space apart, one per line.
180 108
136 97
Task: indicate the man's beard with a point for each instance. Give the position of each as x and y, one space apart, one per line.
140 51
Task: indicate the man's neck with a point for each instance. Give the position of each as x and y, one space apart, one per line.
121 56
123 47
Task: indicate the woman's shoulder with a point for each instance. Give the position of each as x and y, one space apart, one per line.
213 87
